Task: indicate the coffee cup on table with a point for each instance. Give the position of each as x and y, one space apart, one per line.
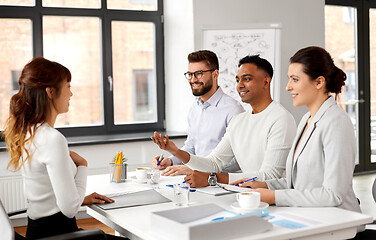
142 173
248 199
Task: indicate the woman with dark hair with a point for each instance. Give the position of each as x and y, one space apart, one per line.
321 162
54 177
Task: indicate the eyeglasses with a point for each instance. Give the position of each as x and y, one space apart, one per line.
197 74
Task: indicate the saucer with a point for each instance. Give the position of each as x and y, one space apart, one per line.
263 205
139 180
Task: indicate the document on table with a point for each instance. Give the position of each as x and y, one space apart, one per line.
222 215
292 221
222 189
133 199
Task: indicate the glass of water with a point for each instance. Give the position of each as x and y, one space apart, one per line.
181 194
155 176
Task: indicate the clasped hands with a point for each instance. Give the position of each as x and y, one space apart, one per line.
200 179
267 195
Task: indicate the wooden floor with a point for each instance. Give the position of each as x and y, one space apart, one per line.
88 223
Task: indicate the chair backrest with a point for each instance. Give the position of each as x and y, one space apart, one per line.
6 229
374 190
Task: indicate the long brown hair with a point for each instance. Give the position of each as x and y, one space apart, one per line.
30 106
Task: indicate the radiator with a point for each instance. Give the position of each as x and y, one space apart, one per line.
12 193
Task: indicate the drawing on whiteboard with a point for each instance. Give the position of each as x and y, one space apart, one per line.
232 45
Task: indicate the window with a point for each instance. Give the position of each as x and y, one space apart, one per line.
133 50
75 43
15 76
16 50
17 2
350 36
348 15
143 96
144 5
115 57
72 3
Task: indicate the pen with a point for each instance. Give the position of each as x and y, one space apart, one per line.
160 159
171 186
251 179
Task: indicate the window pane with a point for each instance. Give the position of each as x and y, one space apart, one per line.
372 32
72 3
18 2
340 43
134 80
75 43
144 5
16 51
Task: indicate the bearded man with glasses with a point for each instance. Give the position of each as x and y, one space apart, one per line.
208 116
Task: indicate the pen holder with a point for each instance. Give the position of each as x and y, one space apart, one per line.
118 172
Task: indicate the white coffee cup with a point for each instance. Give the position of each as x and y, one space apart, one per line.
248 199
142 173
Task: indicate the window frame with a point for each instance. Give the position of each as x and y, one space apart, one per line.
363 67
36 14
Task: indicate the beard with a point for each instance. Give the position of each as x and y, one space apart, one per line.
204 89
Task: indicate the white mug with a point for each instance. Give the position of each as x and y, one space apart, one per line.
248 199
142 173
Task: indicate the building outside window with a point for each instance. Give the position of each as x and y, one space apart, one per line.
350 37
113 48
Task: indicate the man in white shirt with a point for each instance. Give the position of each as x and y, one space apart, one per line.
208 117
260 139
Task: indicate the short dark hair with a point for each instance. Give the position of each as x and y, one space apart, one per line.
318 62
259 62
206 56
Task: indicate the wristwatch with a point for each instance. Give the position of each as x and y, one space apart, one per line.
212 179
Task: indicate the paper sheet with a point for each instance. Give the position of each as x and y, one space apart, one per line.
292 221
225 214
217 191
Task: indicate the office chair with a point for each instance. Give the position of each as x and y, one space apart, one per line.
368 234
7 232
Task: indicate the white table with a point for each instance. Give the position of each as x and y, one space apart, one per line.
134 222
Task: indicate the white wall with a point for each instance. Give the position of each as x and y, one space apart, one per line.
178 27
302 25
139 153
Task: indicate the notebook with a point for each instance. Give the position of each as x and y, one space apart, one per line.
145 197
222 189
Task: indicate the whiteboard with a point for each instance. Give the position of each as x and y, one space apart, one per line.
231 45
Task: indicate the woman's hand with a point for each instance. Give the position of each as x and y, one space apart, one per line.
267 195
77 159
96 198
251 184
164 143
